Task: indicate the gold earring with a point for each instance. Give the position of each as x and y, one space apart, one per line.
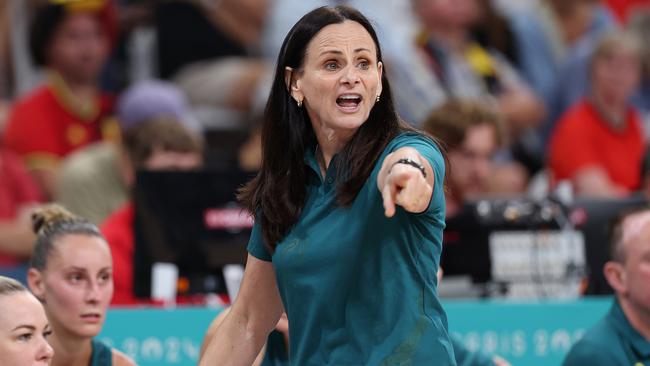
377 100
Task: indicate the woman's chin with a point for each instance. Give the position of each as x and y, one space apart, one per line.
351 121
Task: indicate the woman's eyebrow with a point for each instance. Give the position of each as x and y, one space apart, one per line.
29 327
338 52
75 269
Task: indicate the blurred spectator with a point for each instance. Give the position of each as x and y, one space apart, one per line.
585 23
18 194
458 66
95 181
69 111
191 31
552 32
472 134
204 45
159 144
598 143
91 181
550 36
445 62
622 337
554 41
495 31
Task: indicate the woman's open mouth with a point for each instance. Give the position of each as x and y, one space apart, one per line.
349 103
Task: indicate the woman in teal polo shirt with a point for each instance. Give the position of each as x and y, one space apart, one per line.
349 210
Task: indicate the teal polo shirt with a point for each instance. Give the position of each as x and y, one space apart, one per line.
276 350
611 342
360 288
276 353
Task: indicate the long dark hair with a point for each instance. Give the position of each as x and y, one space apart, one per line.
277 194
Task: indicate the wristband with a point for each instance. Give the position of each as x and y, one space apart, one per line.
413 163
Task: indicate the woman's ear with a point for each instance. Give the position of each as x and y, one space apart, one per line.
288 71
615 275
292 83
380 70
35 283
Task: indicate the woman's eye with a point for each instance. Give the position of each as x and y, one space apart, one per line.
25 337
105 277
47 334
331 66
364 65
75 277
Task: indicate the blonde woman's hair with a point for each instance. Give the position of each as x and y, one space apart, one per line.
10 286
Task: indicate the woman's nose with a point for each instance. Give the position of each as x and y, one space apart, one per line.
350 75
92 292
45 353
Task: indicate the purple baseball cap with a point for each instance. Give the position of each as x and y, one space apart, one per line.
152 99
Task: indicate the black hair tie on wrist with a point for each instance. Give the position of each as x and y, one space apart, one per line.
413 163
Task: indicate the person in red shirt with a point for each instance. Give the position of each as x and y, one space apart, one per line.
157 144
598 144
18 194
69 111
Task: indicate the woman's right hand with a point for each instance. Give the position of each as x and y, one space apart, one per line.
403 184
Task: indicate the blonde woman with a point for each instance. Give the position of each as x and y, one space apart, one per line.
24 328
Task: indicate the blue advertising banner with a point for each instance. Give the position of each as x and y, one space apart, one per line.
158 336
526 334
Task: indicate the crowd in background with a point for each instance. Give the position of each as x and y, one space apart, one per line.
525 95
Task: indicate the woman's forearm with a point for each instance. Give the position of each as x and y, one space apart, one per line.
234 343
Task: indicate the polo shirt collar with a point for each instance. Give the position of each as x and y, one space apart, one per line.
640 345
311 162
310 159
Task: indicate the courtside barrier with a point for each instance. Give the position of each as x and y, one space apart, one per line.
527 334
